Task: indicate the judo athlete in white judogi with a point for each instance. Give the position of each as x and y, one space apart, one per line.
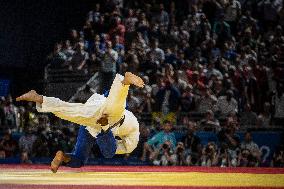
105 119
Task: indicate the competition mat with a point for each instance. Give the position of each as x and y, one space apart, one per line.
138 177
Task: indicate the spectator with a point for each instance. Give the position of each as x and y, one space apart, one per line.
26 143
133 102
108 67
118 29
94 15
167 98
210 123
180 157
227 104
228 139
264 118
11 111
157 53
164 141
79 57
278 103
278 158
192 145
206 101
232 12
250 151
68 51
209 155
8 145
163 18
119 48
58 58
248 118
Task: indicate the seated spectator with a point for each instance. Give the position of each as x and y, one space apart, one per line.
157 53
250 151
248 118
192 145
206 101
278 103
68 51
164 155
2 113
210 123
146 103
108 67
74 37
26 143
118 29
25 159
94 15
227 104
57 58
180 156
11 111
209 156
187 100
278 158
264 118
143 138
88 32
79 57
133 102
163 141
8 145
228 137
167 98
120 49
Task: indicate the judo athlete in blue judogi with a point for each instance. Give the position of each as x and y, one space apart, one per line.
104 120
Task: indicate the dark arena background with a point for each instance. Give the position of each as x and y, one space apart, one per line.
211 114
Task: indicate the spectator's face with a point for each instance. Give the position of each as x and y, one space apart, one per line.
266 107
97 7
190 128
130 12
7 137
167 127
74 34
116 39
102 19
209 116
161 7
109 45
247 108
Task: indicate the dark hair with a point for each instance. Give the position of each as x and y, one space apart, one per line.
167 122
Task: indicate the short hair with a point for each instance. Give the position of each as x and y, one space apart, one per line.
167 122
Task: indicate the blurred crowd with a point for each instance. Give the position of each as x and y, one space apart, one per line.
210 65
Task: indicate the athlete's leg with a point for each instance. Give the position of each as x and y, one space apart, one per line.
115 103
74 112
80 153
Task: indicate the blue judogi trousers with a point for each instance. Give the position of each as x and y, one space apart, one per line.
85 141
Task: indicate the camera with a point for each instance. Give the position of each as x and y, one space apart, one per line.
165 146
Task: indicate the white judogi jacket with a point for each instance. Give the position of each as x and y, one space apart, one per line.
87 114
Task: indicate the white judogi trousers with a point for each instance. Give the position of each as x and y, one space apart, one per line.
87 114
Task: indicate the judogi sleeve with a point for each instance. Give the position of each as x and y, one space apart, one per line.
128 143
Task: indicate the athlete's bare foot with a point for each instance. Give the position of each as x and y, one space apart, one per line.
57 160
130 78
31 96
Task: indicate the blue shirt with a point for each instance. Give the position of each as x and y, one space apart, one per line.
161 137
